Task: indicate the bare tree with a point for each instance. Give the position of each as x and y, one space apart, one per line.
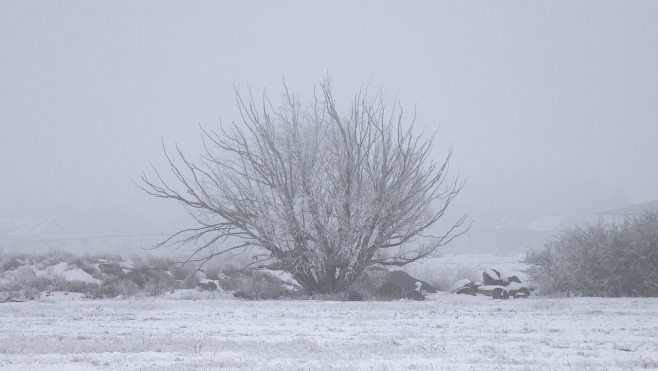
325 194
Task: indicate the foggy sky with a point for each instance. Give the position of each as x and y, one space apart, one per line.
551 107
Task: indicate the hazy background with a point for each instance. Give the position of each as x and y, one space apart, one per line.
552 107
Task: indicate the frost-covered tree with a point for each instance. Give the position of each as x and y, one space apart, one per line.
326 193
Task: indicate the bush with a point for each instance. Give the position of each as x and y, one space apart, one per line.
604 259
258 285
112 288
12 261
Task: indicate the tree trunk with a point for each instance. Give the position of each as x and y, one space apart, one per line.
327 282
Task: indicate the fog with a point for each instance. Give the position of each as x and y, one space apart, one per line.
551 107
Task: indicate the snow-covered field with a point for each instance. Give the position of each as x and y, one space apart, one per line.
446 332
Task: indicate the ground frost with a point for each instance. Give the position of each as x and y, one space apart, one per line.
447 332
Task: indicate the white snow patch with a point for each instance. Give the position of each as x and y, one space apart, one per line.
58 268
283 276
491 274
514 286
62 269
42 273
79 275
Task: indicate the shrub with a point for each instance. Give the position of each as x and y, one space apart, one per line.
258 285
112 288
12 261
603 259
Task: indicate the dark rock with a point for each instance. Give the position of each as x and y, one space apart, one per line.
513 279
389 291
499 293
487 290
376 275
371 279
407 283
492 277
415 295
354 296
464 286
242 295
365 284
471 290
518 290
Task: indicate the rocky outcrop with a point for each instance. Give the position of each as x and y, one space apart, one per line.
389 291
465 287
400 285
503 288
511 279
491 277
494 285
407 283
517 290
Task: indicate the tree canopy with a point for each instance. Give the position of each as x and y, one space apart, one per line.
326 193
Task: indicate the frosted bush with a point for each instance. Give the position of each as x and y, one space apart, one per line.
603 259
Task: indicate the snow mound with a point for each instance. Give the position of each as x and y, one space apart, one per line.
62 269
282 276
58 268
515 286
491 273
80 275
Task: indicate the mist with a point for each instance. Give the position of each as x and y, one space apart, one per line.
550 107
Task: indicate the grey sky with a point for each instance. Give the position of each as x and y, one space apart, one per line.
550 106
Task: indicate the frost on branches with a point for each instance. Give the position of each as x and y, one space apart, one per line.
325 193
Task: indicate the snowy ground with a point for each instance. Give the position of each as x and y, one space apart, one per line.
447 332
